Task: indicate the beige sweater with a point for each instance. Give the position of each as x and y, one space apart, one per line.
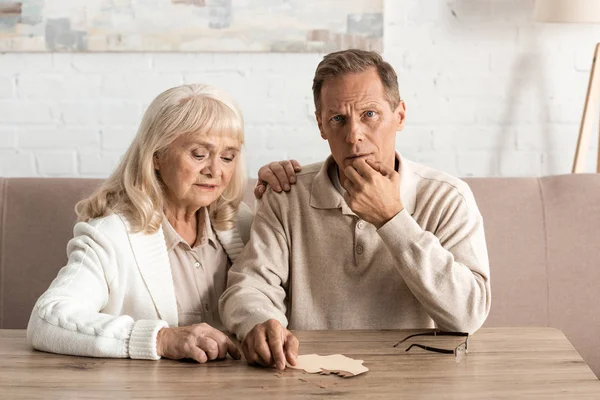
311 263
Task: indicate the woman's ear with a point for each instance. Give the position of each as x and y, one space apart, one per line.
155 161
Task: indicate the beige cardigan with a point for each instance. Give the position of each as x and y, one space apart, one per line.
311 263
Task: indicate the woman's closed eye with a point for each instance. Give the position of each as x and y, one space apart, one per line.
228 158
199 156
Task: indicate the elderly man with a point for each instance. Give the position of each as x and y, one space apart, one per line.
366 239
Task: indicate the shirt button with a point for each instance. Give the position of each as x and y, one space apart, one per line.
359 249
196 264
361 224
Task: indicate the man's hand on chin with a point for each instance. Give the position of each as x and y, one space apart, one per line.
372 191
270 344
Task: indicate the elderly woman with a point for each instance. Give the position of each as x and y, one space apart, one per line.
150 254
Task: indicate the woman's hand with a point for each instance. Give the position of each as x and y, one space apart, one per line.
278 174
200 342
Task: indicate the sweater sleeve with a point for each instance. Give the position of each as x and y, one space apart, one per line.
447 270
67 318
257 282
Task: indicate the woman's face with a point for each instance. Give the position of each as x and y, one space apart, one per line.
196 169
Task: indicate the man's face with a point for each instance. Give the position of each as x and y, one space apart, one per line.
357 120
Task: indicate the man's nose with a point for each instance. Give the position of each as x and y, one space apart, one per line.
354 133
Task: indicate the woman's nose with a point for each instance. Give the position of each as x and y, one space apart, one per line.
212 168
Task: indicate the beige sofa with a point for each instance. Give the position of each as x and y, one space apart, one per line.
543 240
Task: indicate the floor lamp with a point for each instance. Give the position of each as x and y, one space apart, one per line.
582 11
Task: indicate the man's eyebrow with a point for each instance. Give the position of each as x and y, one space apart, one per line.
232 148
360 106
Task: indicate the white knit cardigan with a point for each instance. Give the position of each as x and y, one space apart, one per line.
116 291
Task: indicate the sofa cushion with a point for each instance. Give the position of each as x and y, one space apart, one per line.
572 215
36 222
513 220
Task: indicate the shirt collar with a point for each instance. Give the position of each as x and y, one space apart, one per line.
325 195
205 233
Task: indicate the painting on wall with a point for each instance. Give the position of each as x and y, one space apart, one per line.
190 25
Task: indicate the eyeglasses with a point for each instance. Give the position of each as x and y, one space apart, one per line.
459 351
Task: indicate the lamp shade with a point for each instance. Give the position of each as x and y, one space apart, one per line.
567 11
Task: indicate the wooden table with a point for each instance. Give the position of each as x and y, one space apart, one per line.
502 363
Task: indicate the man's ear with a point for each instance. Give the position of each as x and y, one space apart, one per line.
320 124
400 114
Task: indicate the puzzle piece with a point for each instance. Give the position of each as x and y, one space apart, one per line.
333 364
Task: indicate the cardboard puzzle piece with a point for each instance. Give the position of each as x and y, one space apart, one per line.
333 364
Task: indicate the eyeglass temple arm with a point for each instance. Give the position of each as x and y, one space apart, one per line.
443 333
433 333
429 348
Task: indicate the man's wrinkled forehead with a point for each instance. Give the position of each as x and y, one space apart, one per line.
356 89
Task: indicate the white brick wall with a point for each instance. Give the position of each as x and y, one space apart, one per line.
489 92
